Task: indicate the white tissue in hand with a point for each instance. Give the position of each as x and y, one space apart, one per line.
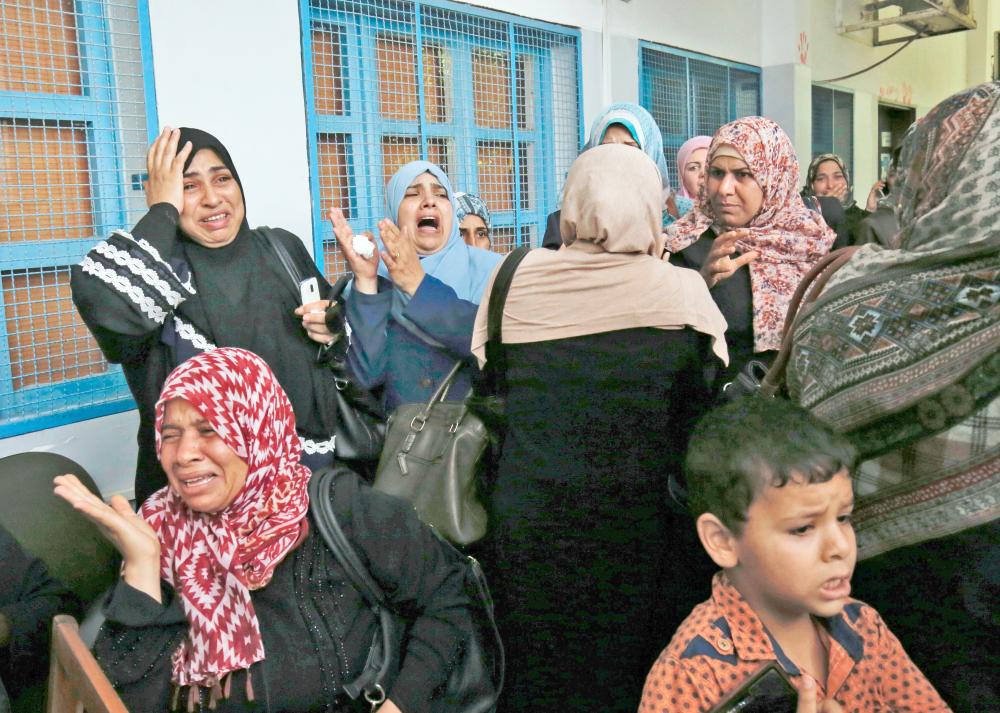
363 246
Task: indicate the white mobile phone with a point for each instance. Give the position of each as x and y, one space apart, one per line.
309 290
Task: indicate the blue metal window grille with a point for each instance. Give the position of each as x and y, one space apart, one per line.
492 98
691 94
76 114
833 124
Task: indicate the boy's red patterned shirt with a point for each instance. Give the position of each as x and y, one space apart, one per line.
723 642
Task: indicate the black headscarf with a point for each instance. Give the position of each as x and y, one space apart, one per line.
246 299
203 140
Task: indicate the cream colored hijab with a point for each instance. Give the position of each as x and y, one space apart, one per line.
607 275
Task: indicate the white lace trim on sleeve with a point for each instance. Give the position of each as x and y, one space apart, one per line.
138 268
187 331
153 253
122 284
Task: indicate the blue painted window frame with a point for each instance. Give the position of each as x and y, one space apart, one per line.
647 79
364 163
94 108
826 144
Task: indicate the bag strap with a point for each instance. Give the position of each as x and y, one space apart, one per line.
496 356
377 666
341 547
339 286
283 255
442 389
813 283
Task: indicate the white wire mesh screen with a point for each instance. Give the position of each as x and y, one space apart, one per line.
72 157
689 96
492 99
833 124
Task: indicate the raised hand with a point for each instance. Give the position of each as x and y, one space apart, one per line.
127 531
877 191
400 256
840 192
365 270
165 168
720 265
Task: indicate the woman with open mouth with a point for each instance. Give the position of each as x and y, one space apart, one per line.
413 303
192 276
229 598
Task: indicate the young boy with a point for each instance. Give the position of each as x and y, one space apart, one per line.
770 487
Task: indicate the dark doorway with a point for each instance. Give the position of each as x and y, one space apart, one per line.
893 121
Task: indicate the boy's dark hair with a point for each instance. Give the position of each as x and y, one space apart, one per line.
740 447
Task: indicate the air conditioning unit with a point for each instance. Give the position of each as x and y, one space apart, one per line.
892 21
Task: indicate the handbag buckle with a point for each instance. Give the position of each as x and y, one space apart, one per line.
376 697
419 418
341 383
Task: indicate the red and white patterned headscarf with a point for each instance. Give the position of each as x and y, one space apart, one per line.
789 237
214 560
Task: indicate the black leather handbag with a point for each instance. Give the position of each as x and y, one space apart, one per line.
476 680
361 426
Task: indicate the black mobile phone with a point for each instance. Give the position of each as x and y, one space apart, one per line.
768 690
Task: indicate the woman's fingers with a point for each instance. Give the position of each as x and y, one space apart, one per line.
392 240
341 228
406 271
70 489
167 140
314 322
726 266
180 158
744 259
166 169
729 238
390 235
154 150
365 270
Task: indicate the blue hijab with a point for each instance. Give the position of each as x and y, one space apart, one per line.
641 125
462 267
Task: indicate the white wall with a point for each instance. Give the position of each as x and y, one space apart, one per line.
241 78
242 81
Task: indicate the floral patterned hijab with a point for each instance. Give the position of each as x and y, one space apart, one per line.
214 560
789 237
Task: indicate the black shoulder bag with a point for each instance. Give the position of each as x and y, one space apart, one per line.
491 389
476 680
360 421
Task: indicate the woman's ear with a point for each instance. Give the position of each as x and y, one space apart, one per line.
718 540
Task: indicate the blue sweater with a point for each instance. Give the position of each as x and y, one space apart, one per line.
383 352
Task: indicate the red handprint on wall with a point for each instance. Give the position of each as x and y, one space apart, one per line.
803 47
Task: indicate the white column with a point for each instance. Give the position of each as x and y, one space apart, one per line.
786 75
